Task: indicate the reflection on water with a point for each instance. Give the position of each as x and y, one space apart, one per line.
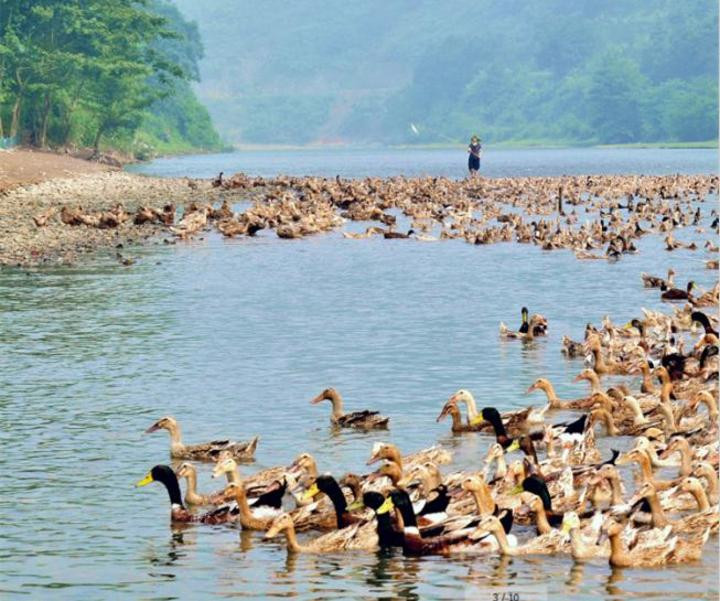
234 338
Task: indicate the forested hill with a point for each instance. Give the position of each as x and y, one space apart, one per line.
583 71
101 73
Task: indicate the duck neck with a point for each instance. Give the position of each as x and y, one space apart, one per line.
173 489
700 498
658 515
607 419
599 361
292 542
712 483
175 439
685 457
457 425
594 382
541 522
338 500
549 390
502 540
666 390
233 477
393 454
471 406
498 426
711 405
638 416
618 555
666 411
387 537
647 384
576 542
483 500
617 496
191 495
337 404
247 519
645 467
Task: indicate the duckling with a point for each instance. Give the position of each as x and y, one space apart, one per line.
178 512
364 420
209 451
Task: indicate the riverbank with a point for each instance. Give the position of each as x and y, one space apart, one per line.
41 192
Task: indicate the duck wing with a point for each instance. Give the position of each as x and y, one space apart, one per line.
362 419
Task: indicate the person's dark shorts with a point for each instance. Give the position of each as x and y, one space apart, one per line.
473 163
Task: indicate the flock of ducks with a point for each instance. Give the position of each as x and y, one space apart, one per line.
598 217
544 486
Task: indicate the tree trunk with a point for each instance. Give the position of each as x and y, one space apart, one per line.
45 119
15 123
96 144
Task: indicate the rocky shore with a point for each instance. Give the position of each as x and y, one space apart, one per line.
34 229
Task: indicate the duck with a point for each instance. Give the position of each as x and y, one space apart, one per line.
209 451
413 543
553 402
256 518
450 408
694 523
651 281
356 536
677 293
192 497
622 557
265 488
580 548
704 321
178 512
532 332
492 415
326 484
536 485
390 452
364 420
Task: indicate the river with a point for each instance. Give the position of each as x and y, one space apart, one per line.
234 337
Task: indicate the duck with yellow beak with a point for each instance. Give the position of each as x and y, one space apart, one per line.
178 513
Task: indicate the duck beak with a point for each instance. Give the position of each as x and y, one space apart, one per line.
373 459
578 378
478 534
153 428
386 507
317 399
310 493
145 481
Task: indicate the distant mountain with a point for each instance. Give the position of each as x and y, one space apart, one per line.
404 71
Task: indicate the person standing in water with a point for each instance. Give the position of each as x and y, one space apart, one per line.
474 155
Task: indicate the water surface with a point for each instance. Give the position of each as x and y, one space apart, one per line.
234 337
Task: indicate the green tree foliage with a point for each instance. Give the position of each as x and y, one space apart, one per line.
84 71
583 71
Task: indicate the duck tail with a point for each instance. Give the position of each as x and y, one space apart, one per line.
503 329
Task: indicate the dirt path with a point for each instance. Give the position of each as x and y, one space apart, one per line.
21 167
